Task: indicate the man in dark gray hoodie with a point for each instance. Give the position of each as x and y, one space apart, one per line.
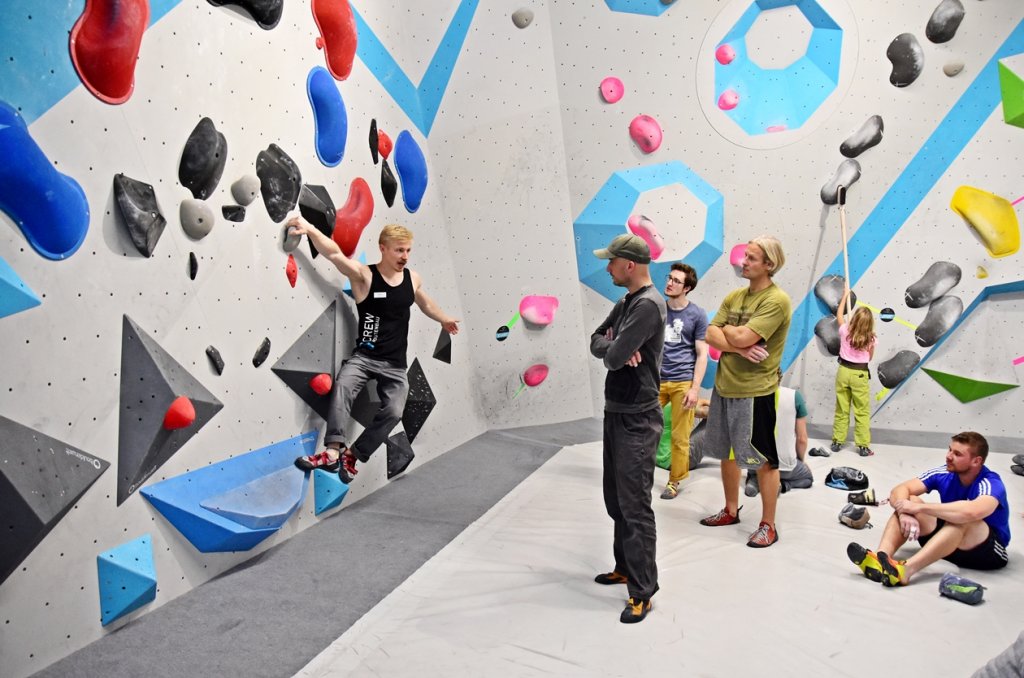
630 343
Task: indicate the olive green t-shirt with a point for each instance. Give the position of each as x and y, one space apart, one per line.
767 313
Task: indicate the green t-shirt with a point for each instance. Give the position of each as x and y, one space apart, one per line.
767 313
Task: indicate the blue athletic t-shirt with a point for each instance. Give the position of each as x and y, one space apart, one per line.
987 483
683 329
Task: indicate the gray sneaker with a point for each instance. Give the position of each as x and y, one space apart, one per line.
751 488
1018 459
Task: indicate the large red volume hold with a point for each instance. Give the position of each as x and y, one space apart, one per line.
105 44
338 34
351 219
180 414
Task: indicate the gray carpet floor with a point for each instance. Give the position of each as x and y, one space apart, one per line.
271 615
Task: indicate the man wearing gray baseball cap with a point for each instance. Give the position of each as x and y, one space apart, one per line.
630 343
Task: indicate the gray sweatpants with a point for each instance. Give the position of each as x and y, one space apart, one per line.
1007 664
630 448
800 478
393 389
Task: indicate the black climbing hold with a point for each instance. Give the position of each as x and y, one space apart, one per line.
140 212
262 353
193 265
829 290
944 21
202 161
400 454
894 370
280 181
235 213
317 208
420 401
374 141
827 329
942 315
266 13
443 348
907 59
941 277
388 183
215 359
313 353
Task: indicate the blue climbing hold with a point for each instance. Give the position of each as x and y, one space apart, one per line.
328 491
267 501
329 116
15 295
49 207
412 170
127 578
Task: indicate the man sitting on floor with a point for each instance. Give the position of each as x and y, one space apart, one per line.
969 526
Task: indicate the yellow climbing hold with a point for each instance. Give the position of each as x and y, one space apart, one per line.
991 216
982 273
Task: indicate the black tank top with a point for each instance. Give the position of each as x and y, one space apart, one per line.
383 330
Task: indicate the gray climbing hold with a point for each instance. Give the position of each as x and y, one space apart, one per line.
942 315
289 241
846 175
196 218
522 17
246 189
262 353
897 368
907 59
202 161
945 21
215 360
280 181
869 134
941 277
827 329
136 202
235 213
829 289
953 68
193 265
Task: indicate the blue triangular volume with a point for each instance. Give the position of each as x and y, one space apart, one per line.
127 578
422 102
328 491
182 500
265 502
15 295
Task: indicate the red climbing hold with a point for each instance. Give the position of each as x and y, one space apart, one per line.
321 384
180 414
351 219
105 45
291 270
338 33
384 144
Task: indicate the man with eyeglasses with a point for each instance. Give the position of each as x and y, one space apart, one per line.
683 363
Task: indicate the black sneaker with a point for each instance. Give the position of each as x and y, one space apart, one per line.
612 577
819 452
347 468
836 445
865 498
636 610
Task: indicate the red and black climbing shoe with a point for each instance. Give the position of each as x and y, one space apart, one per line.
347 468
320 460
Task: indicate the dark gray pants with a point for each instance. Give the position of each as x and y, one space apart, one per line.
392 388
630 448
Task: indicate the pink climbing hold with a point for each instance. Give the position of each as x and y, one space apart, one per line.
725 54
384 144
771 129
351 219
321 384
535 375
737 253
180 414
612 89
729 100
642 226
105 45
339 36
538 310
714 353
646 132
291 270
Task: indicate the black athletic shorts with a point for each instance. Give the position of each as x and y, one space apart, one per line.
988 555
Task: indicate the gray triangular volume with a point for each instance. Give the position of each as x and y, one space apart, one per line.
41 478
150 381
400 454
443 348
420 402
312 354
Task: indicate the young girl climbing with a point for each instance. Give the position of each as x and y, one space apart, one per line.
856 349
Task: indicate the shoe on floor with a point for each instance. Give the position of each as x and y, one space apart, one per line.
865 498
671 491
819 452
1018 459
347 468
320 460
866 560
764 536
1018 469
836 445
721 518
894 571
636 610
612 577
865 451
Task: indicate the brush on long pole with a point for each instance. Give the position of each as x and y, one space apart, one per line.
846 255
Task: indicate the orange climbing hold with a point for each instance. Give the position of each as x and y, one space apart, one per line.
351 219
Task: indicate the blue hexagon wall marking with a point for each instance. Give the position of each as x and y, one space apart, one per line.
773 100
606 215
649 7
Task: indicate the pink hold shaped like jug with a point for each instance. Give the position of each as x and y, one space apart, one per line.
612 89
646 132
538 310
535 375
642 226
